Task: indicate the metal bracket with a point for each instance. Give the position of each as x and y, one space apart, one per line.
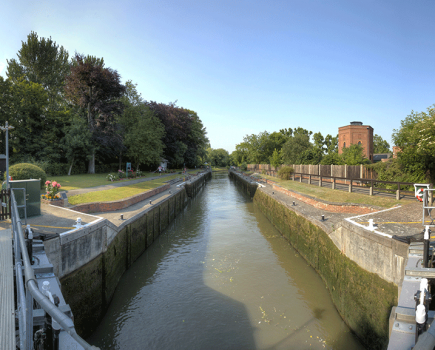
404 327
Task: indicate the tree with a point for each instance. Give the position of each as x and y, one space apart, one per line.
218 157
178 125
296 145
354 155
77 140
140 130
416 139
97 91
41 61
380 145
275 159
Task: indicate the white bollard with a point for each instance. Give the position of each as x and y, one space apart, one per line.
371 227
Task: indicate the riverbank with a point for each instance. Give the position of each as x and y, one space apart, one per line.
362 269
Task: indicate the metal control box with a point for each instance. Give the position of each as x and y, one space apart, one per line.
33 196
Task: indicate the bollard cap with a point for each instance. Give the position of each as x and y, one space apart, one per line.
420 314
426 232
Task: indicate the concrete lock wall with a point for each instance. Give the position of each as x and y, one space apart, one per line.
362 270
90 262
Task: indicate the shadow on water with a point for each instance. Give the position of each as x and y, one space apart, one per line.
162 302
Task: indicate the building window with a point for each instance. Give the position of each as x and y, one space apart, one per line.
359 143
344 144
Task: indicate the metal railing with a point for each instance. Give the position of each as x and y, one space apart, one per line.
28 291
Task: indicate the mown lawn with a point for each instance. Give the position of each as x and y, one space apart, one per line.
338 196
120 192
74 182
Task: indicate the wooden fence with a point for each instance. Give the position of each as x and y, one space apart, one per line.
342 171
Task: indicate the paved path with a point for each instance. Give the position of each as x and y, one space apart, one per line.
403 220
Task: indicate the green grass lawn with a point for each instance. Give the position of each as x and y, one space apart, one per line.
338 196
74 182
120 192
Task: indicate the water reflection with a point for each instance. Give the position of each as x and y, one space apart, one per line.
221 277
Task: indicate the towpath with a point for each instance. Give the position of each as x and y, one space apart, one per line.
403 220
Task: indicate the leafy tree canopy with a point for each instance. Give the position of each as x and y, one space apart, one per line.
380 145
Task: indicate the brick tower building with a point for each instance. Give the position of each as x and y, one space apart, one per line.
356 133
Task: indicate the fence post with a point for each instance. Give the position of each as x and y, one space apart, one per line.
350 186
309 179
333 183
371 188
320 181
300 177
398 192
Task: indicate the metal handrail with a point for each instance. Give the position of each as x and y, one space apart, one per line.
32 287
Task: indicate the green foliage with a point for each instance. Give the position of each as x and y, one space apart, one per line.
380 145
354 155
275 159
416 138
285 172
244 166
393 170
332 159
26 171
218 157
311 155
295 146
41 61
141 130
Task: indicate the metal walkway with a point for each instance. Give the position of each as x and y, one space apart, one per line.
7 307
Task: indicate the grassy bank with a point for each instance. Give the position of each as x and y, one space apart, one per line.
120 192
338 196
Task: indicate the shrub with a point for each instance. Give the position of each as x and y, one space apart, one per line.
244 166
285 172
26 171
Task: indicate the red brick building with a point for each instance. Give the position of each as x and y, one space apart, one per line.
356 133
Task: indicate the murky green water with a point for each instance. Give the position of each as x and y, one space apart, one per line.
222 277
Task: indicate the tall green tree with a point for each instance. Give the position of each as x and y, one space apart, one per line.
41 61
296 146
142 132
97 91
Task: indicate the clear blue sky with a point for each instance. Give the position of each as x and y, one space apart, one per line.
250 66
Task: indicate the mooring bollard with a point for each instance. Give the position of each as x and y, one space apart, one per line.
122 216
150 202
294 203
323 217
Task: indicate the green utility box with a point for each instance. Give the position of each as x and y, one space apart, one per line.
33 196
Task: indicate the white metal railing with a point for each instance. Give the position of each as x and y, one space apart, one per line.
28 290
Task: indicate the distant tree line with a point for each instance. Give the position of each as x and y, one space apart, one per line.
415 161
74 115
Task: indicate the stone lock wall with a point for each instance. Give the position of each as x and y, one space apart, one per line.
90 262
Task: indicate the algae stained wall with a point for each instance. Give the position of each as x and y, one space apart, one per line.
363 299
90 287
